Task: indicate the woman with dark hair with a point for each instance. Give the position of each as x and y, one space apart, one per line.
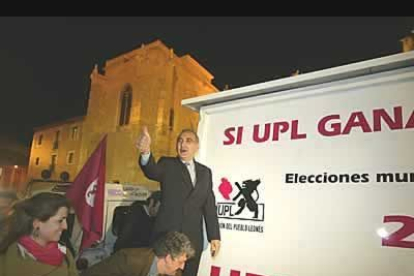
30 245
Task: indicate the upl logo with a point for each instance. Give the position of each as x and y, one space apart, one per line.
240 201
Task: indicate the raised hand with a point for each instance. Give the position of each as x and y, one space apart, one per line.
143 143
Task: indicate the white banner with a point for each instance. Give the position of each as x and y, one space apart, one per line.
315 181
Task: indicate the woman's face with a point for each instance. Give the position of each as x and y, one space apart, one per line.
51 230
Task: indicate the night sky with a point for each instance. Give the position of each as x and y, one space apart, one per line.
45 63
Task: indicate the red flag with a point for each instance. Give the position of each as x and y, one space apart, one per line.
87 196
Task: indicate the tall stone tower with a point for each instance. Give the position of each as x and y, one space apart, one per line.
142 87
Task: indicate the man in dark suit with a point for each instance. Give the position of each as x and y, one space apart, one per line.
136 228
187 195
167 256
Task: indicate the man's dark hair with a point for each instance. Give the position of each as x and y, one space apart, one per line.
190 131
174 244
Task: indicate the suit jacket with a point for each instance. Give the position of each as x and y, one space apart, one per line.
136 230
12 263
125 262
183 205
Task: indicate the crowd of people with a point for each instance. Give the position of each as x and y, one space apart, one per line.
163 236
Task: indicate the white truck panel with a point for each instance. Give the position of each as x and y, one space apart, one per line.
352 134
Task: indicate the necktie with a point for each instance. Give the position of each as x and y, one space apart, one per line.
191 172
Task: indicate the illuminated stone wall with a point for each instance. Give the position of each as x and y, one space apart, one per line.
158 81
65 145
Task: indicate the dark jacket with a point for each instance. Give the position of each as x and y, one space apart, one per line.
12 263
125 262
136 231
183 205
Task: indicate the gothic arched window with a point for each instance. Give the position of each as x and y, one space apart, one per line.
126 102
171 121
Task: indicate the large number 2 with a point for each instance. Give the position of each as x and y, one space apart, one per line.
396 239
